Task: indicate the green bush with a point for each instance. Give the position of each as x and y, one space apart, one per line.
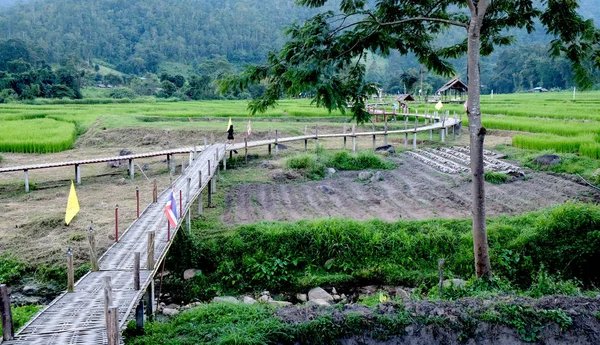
294 256
308 165
122 92
343 160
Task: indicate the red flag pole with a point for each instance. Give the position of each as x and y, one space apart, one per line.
117 223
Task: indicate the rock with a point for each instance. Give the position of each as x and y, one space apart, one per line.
318 302
190 273
264 299
377 177
318 293
343 296
400 292
19 299
248 300
30 290
334 291
547 160
125 152
280 303
386 148
121 181
336 298
173 306
302 297
326 189
331 171
364 175
170 312
266 165
227 299
266 293
454 283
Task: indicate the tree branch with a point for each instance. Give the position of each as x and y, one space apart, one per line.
471 5
425 19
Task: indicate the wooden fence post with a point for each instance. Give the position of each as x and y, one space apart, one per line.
112 329
316 138
139 315
8 331
189 187
117 223
108 298
136 271
93 254
353 138
246 149
70 271
155 192
150 254
276 142
137 201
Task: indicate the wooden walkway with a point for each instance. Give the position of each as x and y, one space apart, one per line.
78 317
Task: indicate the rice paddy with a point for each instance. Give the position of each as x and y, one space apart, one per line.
558 121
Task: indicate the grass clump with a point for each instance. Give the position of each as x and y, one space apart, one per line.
23 314
496 177
315 167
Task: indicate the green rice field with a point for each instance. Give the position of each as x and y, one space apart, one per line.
549 121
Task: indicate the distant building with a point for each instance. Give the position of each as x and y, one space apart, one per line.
405 97
538 89
452 91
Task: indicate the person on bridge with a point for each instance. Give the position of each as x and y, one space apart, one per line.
230 134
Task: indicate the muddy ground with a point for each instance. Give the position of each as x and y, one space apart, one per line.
412 191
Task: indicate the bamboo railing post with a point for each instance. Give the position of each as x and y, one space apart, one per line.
150 252
276 142
374 143
155 192
117 223
225 161
70 271
93 253
385 136
139 316
246 150
8 331
180 204
405 139
136 271
137 201
189 187
108 298
112 329
316 138
353 138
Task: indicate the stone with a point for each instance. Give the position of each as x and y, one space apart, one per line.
170 312
400 292
266 165
377 177
326 189
334 291
264 299
121 181
280 303
331 171
386 148
30 290
454 283
190 273
226 299
318 293
547 160
125 152
302 297
336 298
318 302
365 175
248 300
266 293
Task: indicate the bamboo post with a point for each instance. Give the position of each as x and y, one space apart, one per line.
150 300
180 204
316 138
136 271
26 181
8 331
385 136
78 172
93 255
205 143
415 140
405 139
139 316
188 221
200 203
117 223
431 134
137 201
173 163
374 143
353 138
150 253
168 231
442 132
108 297
225 161
112 329
168 161
305 145
276 142
269 148
131 170
70 271
200 179
246 150
155 192
189 188
190 161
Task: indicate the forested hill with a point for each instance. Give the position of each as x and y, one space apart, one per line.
145 32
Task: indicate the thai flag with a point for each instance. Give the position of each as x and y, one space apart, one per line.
171 211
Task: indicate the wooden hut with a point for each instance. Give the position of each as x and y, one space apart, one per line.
453 91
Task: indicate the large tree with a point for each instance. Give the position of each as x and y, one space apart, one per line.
325 56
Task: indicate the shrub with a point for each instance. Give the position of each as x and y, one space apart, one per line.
122 92
496 177
308 165
343 160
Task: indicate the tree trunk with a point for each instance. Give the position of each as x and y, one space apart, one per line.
477 135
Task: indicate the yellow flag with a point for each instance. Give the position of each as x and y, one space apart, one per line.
439 105
72 205
229 124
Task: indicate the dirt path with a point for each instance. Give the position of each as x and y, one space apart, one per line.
412 191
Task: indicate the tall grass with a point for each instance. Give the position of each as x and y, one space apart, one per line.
36 136
584 145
